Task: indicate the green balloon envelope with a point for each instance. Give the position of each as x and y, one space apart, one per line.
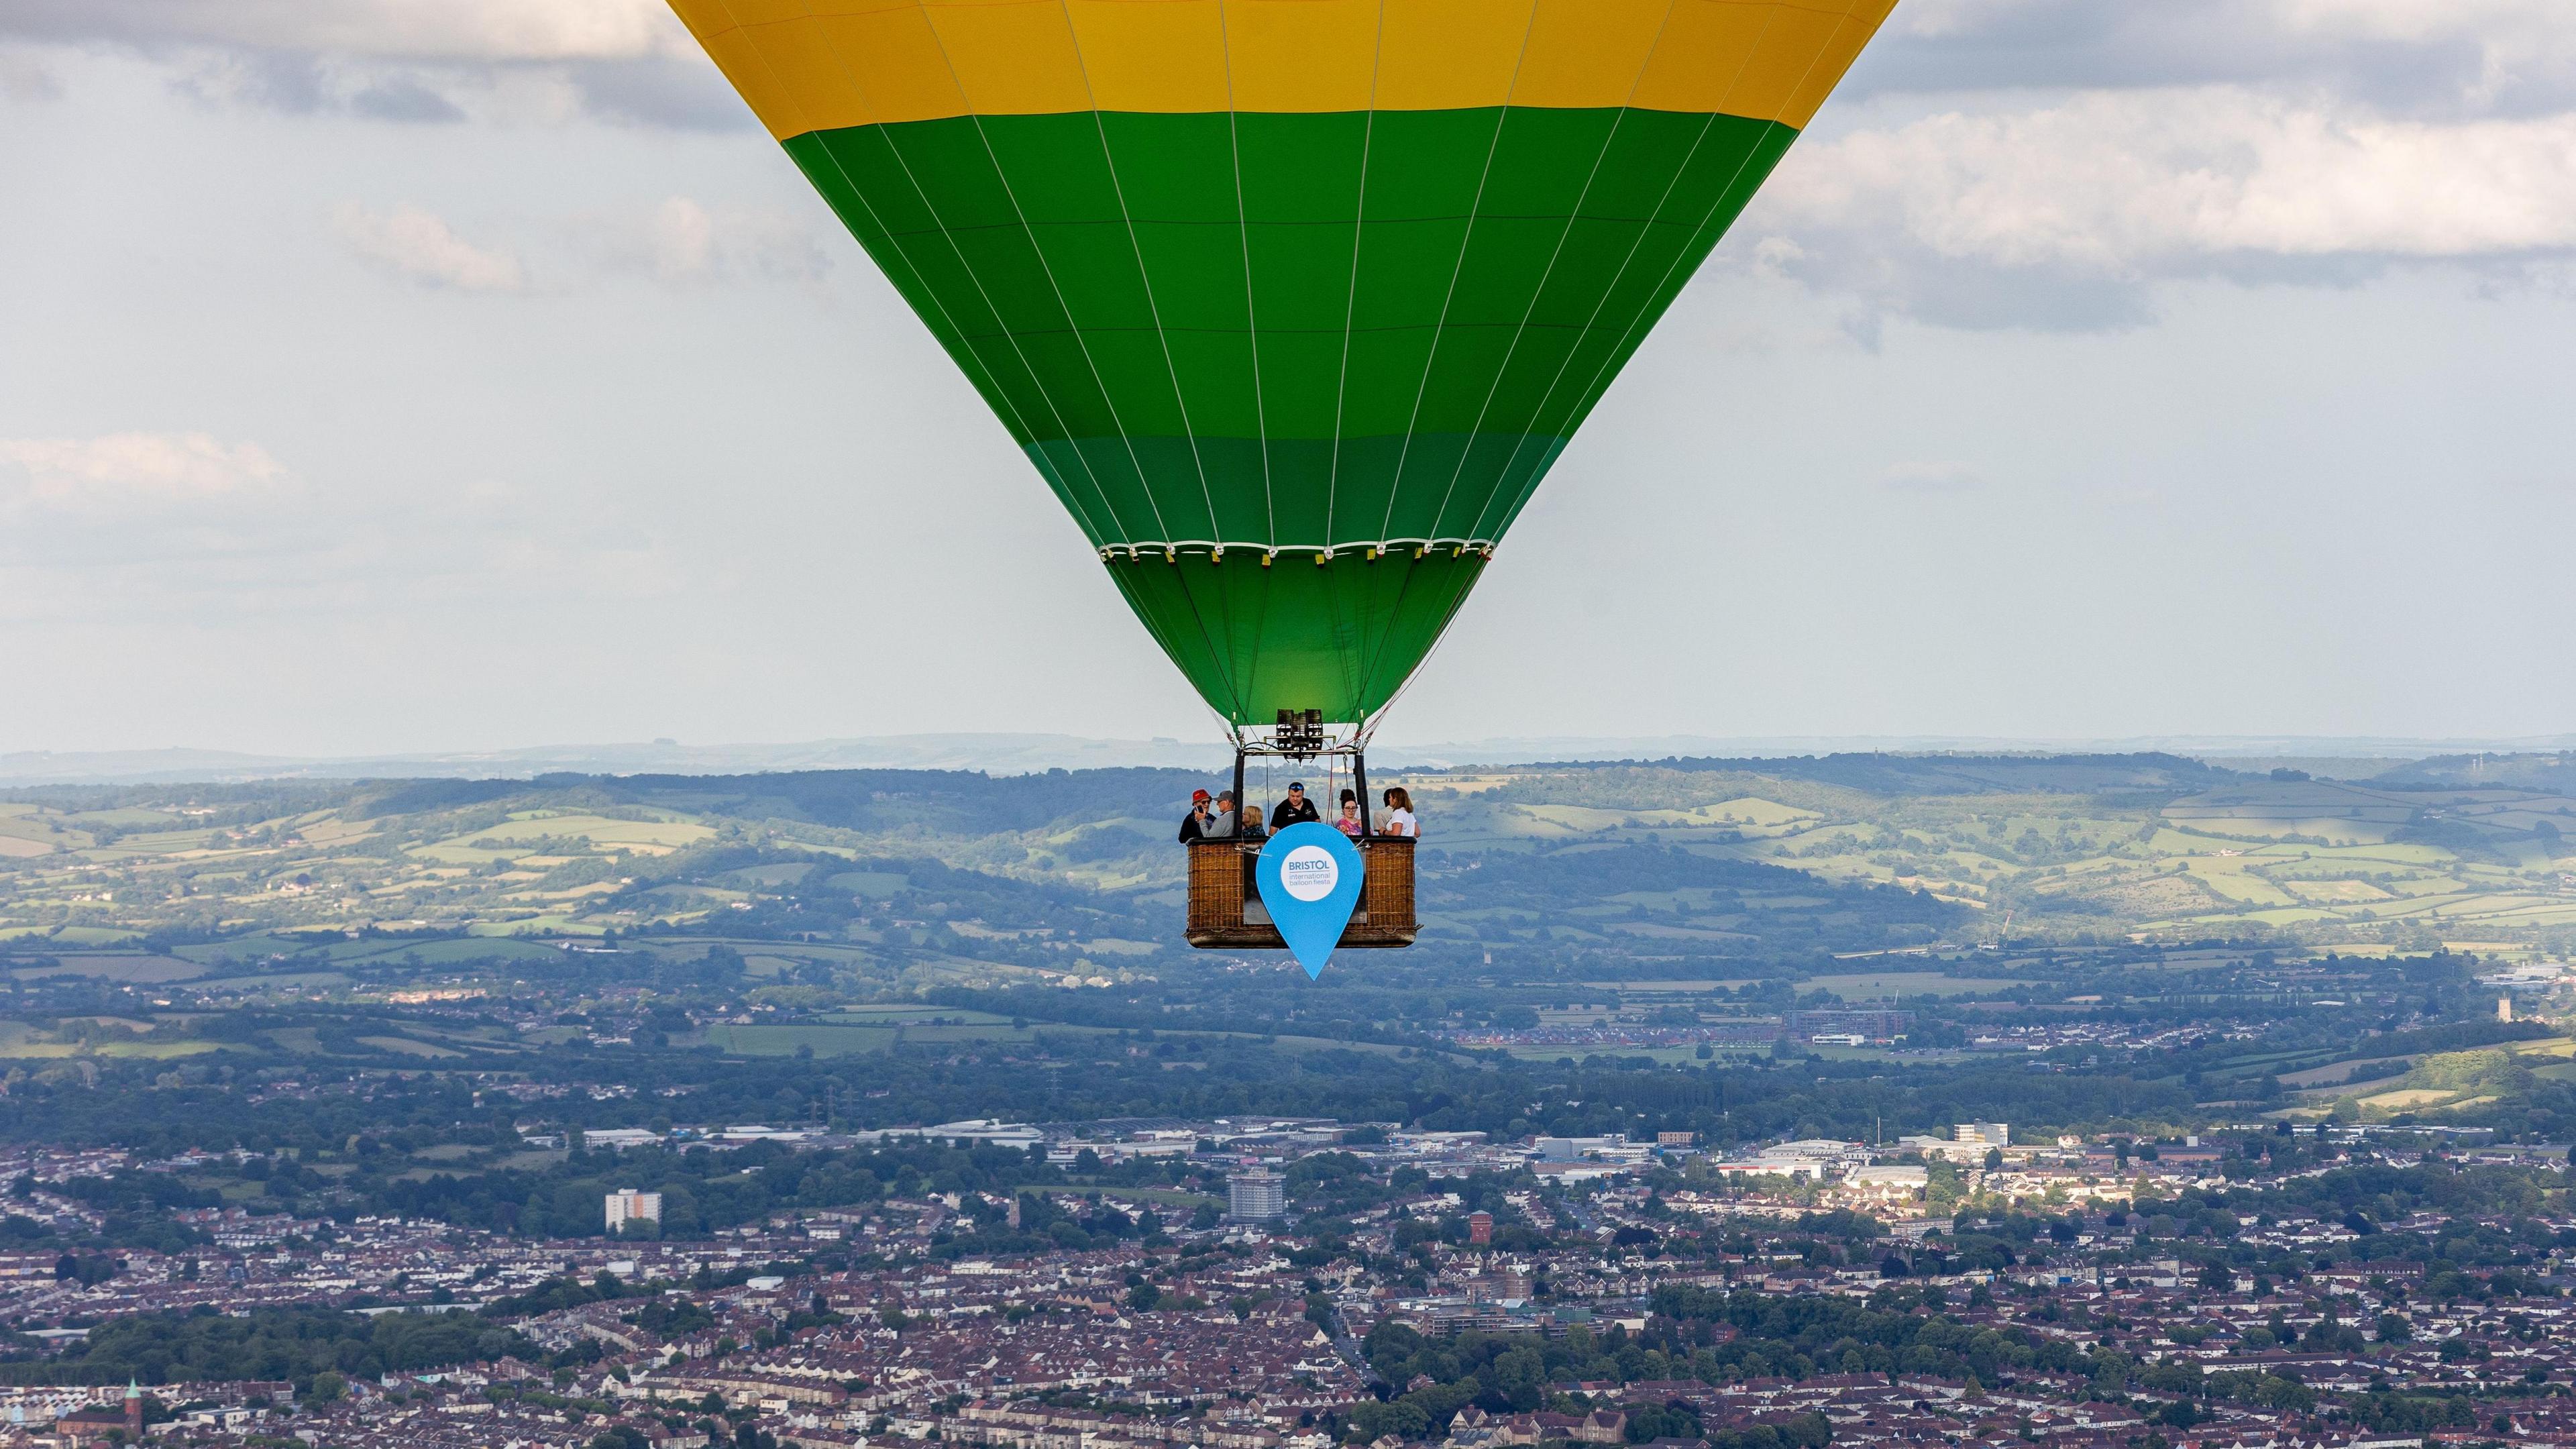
1292 303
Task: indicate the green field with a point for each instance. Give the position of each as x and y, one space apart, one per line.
139 970
2314 861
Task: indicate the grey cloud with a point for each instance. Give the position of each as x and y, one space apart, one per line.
684 93
2496 57
25 78
1889 278
266 79
400 98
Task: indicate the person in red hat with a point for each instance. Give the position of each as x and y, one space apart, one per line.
1194 826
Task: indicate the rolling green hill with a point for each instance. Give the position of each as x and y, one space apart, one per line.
929 877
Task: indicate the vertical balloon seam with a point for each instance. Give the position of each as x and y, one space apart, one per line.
1351 293
1521 331
1144 275
1473 535
1251 297
1395 484
1037 378
1493 390
1539 471
1107 401
1652 314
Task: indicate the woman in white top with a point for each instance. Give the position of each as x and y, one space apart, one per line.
1398 819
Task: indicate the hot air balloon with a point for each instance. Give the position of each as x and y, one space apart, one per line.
1291 302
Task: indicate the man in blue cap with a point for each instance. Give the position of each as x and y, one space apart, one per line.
1294 809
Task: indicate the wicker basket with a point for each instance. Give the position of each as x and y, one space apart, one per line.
1225 903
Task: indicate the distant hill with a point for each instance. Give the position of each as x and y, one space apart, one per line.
1943 774
2554 771
1021 754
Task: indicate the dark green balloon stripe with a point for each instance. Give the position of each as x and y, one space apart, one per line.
1341 637
1268 284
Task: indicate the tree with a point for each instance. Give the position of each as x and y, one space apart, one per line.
1521 1377
1403 1420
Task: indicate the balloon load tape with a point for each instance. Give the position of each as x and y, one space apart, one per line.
1321 553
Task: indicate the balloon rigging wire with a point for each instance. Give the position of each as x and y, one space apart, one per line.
1351 298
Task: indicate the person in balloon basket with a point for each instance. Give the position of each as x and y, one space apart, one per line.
1348 822
1208 820
1295 810
1399 819
1195 825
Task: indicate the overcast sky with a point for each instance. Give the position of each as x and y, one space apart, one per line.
445 374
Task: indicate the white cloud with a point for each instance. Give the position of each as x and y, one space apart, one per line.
2124 183
123 473
2067 214
452 30
163 525
682 242
410 60
151 506
682 236
419 245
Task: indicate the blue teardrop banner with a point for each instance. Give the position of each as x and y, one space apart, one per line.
1309 876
